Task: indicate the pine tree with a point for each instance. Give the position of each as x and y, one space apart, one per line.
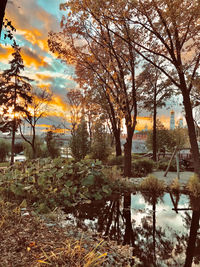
100 146
79 142
14 95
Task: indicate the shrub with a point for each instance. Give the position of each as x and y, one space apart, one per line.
100 148
142 167
162 165
116 160
79 142
52 145
52 183
4 150
40 149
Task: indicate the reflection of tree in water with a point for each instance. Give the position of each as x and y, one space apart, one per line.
151 244
190 242
105 217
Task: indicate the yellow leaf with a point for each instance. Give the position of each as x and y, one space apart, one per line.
43 262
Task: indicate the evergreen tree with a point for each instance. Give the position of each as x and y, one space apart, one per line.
52 145
100 145
14 95
79 142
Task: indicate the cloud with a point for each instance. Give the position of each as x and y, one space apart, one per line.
5 53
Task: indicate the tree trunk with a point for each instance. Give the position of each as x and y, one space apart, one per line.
154 134
192 238
128 235
13 142
191 132
118 149
2 13
128 152
154 232
33 142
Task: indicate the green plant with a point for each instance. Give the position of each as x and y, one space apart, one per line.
47 183
52 146
163 164
100 148
79 141
40 149
113 160
141 167
193 186
4 150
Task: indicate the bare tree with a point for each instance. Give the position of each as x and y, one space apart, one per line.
37 110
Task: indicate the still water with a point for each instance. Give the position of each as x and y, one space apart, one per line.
162 231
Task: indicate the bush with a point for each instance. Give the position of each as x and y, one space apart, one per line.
79 142
116 160
162 165
55 183
142 167
100 148
4 150
40 147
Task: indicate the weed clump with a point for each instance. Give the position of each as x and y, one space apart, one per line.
175 185
152 185
193 186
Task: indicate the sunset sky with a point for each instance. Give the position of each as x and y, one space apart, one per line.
33 19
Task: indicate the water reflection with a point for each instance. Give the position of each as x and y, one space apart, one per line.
161 230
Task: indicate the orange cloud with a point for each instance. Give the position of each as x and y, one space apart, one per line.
43 77
5 53
31 58
43 125
57 107
143 122
58 130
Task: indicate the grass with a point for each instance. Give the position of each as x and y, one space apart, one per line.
175 185
74 254
193 186
152 184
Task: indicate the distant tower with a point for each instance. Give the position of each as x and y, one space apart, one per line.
180 124
172 120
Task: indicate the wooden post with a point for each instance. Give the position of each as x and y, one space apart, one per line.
170 162
177 165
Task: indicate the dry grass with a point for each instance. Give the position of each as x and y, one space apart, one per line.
175 185
72 253
26 240
193 186
152 184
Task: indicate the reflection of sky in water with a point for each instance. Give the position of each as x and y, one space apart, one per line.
165 216
170 229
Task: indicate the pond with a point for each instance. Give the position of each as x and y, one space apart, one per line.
161 231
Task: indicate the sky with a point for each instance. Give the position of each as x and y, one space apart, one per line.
33 19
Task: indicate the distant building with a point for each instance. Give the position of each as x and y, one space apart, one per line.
180 123
172 120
